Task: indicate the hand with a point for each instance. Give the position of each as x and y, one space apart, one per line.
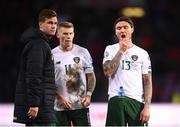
32 113
145 114
64 102
123 44
86 101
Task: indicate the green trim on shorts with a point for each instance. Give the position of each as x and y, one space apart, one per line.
123 111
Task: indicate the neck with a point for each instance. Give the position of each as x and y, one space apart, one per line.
47 35
65 48
130 45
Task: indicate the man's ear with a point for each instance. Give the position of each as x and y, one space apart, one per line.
57 34
133 30
40 24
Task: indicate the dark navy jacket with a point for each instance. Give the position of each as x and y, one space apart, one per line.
36 83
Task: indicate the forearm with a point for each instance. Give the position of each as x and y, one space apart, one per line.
110 67
147 88
91 83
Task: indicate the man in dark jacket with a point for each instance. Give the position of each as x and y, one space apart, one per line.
35 89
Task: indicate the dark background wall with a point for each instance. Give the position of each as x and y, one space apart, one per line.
157 32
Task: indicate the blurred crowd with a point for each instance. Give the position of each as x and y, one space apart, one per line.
157 32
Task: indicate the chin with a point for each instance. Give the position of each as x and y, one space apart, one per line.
52 34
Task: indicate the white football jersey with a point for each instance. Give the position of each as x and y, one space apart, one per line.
134 62
70 74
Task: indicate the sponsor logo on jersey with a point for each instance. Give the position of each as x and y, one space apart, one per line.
134 57
76 59
106 54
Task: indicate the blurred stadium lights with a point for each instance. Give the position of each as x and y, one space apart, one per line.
136 12
130 8
134 8
110 3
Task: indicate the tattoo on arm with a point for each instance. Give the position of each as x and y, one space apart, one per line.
91 83
147 78
110 67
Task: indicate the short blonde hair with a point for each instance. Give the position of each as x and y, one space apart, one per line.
65 24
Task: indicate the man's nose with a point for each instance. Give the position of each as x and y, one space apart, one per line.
68 36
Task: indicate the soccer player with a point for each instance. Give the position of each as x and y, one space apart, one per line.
128 69
35 89
73 64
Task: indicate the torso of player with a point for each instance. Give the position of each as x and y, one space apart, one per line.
129 73
70 75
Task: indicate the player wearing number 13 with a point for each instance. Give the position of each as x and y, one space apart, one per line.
128 69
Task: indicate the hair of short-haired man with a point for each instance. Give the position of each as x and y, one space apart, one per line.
65 24
46 13
126 19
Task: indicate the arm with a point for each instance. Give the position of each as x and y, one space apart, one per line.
145 114
33 77
110 67
90 88
147 88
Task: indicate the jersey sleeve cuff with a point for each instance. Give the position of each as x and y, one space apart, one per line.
89 93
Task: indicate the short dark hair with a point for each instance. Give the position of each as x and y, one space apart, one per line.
46 13
65 24
126 19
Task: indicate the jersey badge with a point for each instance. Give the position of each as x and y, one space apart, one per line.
134 57
76 59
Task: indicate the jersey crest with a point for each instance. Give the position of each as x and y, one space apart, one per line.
76 59
134 57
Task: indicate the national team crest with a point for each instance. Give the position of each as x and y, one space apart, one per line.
134 57
76 59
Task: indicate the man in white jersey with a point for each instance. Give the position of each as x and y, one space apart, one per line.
73 64
128 69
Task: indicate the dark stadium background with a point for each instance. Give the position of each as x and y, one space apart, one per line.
157 32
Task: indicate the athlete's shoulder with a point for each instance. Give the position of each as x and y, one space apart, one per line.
55 50
112 47
139 49
80 48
